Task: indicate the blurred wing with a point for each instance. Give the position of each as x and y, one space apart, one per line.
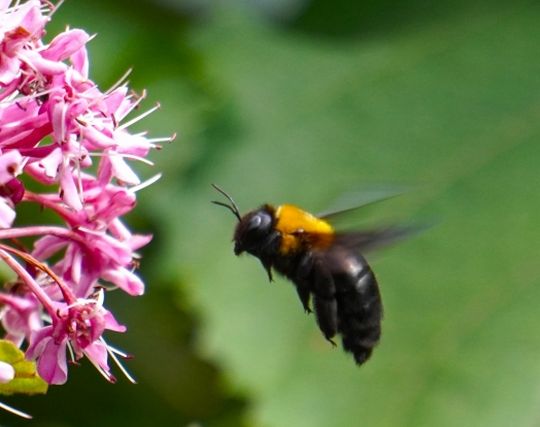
359 199
373 239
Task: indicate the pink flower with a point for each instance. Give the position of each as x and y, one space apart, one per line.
22 27
79 326
90 256
61 131
20 317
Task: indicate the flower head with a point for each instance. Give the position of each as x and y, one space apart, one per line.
59 129
79 326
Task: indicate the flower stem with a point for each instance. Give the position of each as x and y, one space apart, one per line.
40 294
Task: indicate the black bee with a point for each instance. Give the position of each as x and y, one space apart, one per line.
325 266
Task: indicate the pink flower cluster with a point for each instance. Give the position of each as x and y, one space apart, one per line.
63 147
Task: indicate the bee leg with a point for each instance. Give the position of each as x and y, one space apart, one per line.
267 264
324 299
268 248
302 280
326 313
304 293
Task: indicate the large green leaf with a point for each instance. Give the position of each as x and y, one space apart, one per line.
452 107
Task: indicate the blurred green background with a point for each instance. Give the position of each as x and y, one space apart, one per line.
299 101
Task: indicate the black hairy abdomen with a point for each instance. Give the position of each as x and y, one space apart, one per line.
359 303
342 290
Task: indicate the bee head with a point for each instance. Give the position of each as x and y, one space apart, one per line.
252 230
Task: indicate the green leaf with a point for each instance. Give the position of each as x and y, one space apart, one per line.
26 381
451 107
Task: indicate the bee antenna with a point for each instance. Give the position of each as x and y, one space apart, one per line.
232 207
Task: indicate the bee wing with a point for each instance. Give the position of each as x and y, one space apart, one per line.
373 239
359 199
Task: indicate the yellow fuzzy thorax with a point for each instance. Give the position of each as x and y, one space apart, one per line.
300 230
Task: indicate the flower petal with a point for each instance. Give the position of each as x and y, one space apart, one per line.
125 280
38 341
52 364
10 166
112 324
48 246
122 171
7 214
97 354
70 195
65 44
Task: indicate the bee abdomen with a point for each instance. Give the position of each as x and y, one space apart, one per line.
344 293
359 307
360 332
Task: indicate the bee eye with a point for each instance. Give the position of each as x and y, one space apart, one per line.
259 223
254 222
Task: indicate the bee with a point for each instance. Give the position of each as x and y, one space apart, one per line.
325 266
